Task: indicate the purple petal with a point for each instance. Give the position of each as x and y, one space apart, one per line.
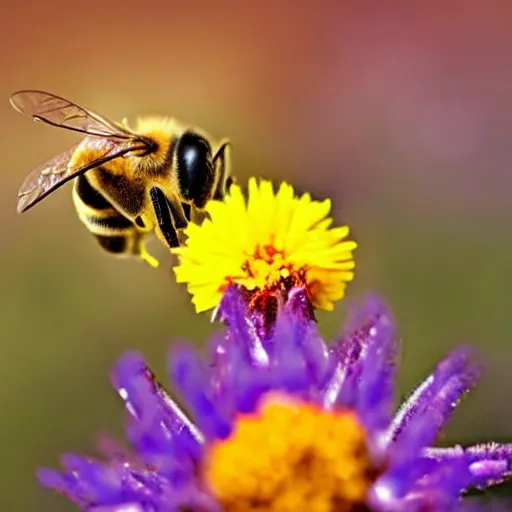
191 378
307 339
376 392
157 425
241 326
299 306
132 378
366 355
287 361
489 464
436 398
406 480
445 388
125 507
236 382
340 385
89 483
453 476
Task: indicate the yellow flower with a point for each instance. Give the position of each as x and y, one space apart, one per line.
269 242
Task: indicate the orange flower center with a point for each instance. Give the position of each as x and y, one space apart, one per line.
291 456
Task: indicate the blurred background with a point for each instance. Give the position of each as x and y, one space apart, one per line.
401 113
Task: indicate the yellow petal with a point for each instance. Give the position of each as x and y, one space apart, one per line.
258 241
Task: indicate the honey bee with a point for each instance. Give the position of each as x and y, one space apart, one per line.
127 184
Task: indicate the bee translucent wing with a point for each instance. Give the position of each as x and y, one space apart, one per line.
44 177
49 176
57 111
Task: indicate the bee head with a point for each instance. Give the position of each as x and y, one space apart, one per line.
195 168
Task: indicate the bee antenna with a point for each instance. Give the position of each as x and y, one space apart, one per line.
221 150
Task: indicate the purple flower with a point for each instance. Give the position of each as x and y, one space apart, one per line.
286 422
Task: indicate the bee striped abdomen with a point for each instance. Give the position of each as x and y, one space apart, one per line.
114 232
115 244
96 212
89 195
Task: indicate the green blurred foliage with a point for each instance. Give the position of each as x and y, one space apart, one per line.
401 114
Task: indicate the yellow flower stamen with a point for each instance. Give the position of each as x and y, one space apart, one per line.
291 456
270 239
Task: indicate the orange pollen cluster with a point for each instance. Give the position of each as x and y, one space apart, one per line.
271 275
291 456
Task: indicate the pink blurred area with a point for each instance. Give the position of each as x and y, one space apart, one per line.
399 111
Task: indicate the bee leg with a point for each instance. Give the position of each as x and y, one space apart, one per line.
229 181
187 211
163 217
139 249
179 217
223 160
127 244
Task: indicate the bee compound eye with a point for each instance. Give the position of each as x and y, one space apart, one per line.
195 173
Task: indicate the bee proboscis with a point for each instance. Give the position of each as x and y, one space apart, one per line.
127 183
